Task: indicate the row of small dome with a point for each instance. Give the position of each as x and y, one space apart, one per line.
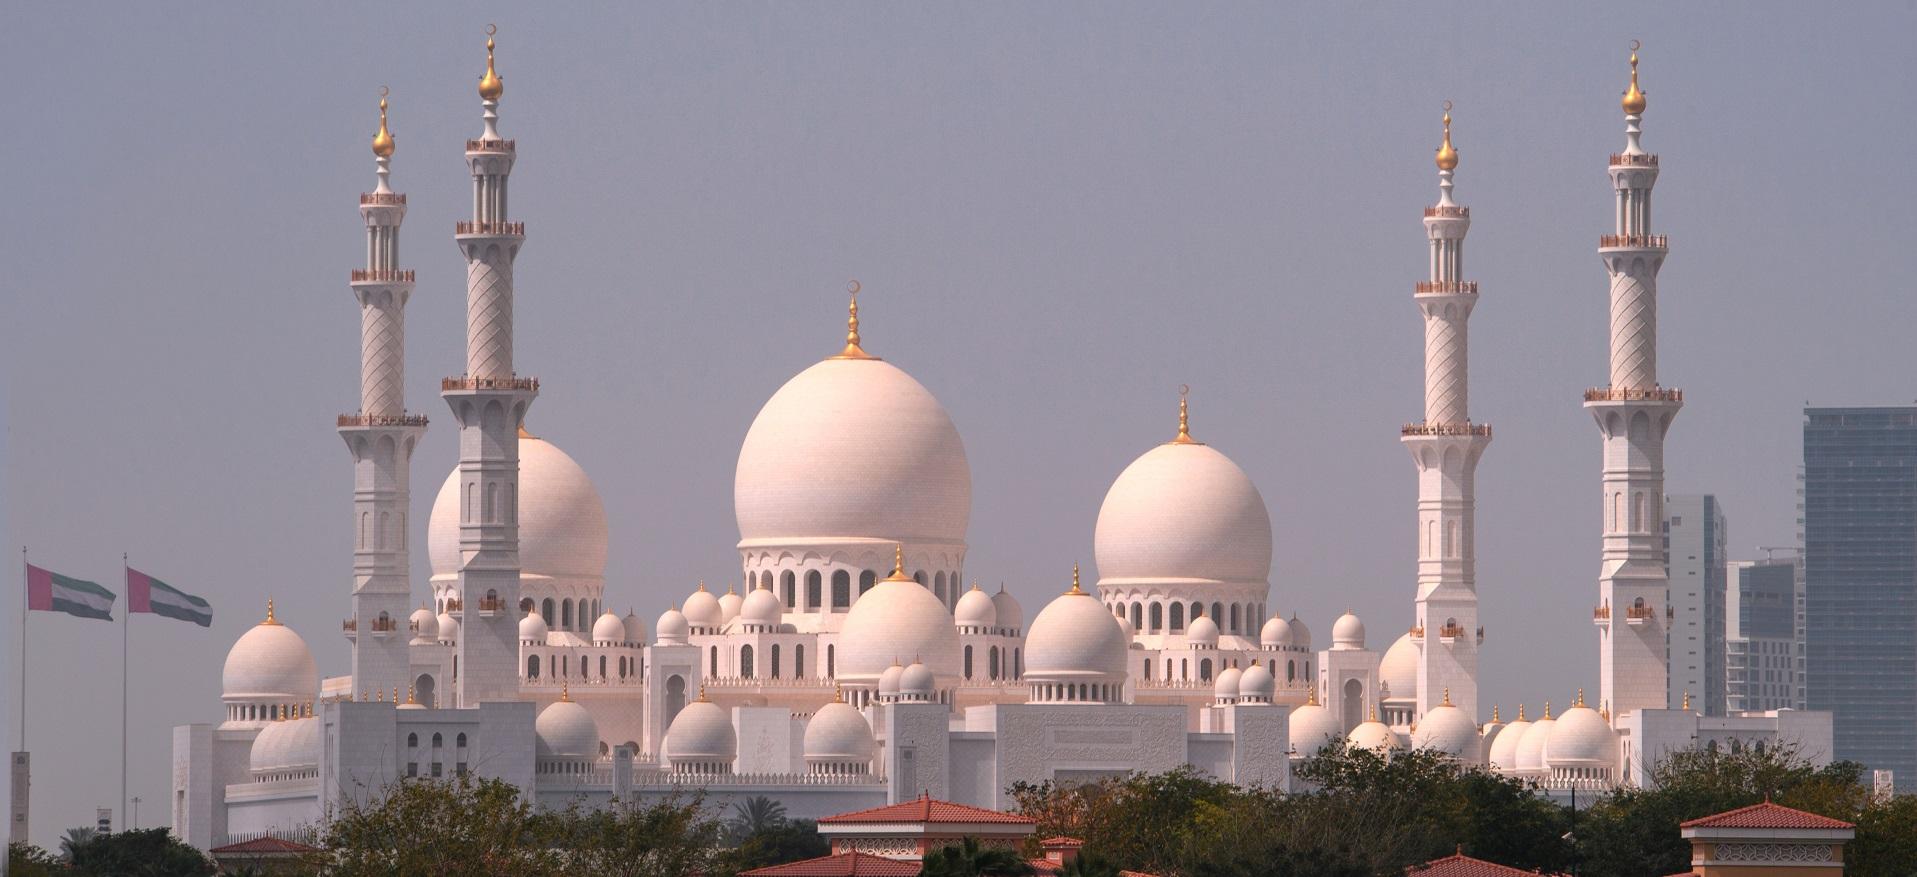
1581 738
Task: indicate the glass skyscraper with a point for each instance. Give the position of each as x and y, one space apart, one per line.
1694 536
1860 580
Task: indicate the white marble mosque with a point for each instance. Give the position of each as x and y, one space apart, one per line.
852 662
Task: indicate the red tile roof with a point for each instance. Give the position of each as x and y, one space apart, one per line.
1461 865
1061 843
1767 815
926 809
267 844
842 865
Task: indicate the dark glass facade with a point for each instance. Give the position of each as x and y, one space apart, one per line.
1860 580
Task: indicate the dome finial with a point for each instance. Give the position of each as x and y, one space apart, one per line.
565 692
1447 156
1447 696
1494 715
410 694
1075 589
1547 709
1580 698
852 349
1687 700
490 85
269 613
383 141
1633 98
1184 418
1374 713
898 560
838 693
1521 717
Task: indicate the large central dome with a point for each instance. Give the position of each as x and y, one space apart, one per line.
852 448
1183 512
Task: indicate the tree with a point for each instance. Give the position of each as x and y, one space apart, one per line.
1088 864
76 837
150 852
26 860
756 815
1886 843
968 858
673 838
455 826
791 841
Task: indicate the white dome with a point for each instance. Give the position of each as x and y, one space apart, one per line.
1183 512
1399 669
898 617
1257 683
1300 633
853 448
1131 633
532 628
270 664
1276 634
1447 729
1202 633
635 628
671 629
702 732
1348 632
1531 747
730 603
1011 615
1312 726
1581 738
1225 687
425 625
761 608
1075 638
1503 753
889 680
609 629
293 744
566 730
702 609
838 732
562 523
1374 735
917 683
975 609
448 628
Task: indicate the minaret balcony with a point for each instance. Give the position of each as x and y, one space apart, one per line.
491 145
468 382
1457 429
381 275
1632 241
350 627
465 226
1636 615
382 420
1416 631
1447 287
490 606
1633 394
1448 210
1633 159
1450 633
382 199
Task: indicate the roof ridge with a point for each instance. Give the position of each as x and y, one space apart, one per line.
1817 820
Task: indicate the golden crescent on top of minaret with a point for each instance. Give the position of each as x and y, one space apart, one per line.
383 141
1447 156
1634 101
490 85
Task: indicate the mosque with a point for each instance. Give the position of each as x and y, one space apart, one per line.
852 663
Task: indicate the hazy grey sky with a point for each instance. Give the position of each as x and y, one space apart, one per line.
1059 213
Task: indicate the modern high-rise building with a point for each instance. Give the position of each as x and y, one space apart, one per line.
1694 539
1860 579
1762 649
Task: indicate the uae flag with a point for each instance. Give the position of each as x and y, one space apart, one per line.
52 592
145 593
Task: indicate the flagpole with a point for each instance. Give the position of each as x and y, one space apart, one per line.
23 649
126 624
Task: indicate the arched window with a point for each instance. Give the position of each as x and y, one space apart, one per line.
813 597
968 662
1177 617
798 662
713 670
492 494
460 741
546 610
992 664
1234 618
1204 670
938 587
565 615
775 660
675 697
1184 668
412 741
1637 512
1018 663
602 666
532 666
866 580
745 662
438 741
829 668
842 590
1291 670
788 589
1138 616
1148 668
1354 706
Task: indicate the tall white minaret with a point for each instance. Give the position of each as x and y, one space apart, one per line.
1633 414
1446 446
490 402
381 437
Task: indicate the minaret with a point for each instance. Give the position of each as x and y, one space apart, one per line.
1445 446
490 402
381 438
1633 414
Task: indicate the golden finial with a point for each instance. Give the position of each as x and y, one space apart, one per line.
490 85
1687 700
565 692
269 613
852 349
379 695
975 586
898 564
1633 99
1184 417
1374 713
729 588
1580 698
1312 699
1547 710
1494 715
1447 156
1521 717
702 584
410 694
702 693
1447 696
1075 589
383 141
396 694
838 693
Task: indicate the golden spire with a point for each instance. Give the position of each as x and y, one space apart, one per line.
1447 696
565 692
1494 715
490 85
383 141
269 613
1312 699
1374 713
898 564
1184 418
1687 700
1521 717
702 692
1633 99
838 693
729 588
1075 589
410 694
975 586
702 584
852 349
1447 156
1580 698
1547 710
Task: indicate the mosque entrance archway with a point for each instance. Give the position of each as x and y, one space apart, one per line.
675 698
423 690
1353 704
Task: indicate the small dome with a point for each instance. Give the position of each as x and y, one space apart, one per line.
270 664
1348 632
448 628
730 603
1276 634
1257 684
532 628
975 609
916 683
635 628
1011 616
562 521
566 730
702 732
293 744
1531 747
671 629
702 609
609 629
1183 512
839 732
889 680
1447 729
425 625
1225 687
1581 738
1399 669
1503 751
1300 633
1074 639
1374 735
1131 633
761 608
897 617
1202 633
1312 726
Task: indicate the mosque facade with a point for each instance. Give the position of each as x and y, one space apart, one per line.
851 664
